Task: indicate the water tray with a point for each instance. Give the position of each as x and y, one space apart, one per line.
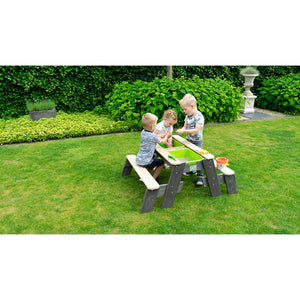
186 155
176 144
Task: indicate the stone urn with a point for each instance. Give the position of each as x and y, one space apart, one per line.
249 98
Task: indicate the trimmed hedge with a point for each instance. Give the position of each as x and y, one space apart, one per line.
80 88
63 126
280 94
218 99
72 88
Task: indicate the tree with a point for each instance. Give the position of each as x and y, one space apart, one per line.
169 72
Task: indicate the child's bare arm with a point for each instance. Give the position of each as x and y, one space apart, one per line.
169 143
182 130
195 130
164 140
160 133
191 131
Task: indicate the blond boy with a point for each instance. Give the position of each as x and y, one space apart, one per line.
193 125
149 139
166 125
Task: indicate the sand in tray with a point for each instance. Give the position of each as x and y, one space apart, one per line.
183 159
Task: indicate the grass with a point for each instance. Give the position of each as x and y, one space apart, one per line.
75 186
40 105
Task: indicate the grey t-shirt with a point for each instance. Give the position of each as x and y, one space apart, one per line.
191 124
147 147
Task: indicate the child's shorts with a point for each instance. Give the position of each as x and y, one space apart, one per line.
155 163
197 143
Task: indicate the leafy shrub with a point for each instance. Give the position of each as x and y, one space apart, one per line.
272 71
99 110
64 126
280 94
73 88
80 88
40 105
217 99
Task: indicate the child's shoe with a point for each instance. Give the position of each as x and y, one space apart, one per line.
199 181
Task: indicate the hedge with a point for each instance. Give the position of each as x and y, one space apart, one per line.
80 88
73 88
218 99
280 94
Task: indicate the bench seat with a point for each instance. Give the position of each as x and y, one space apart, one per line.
143 173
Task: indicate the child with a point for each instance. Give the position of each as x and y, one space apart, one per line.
149 139
166 126
193 126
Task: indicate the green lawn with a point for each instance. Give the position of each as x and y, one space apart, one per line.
75 186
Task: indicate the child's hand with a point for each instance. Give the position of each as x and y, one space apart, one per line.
179 131
169 134
160 133
164 140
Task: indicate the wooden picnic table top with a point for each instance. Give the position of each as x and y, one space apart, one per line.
163 152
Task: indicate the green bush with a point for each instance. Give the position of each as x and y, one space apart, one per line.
63 126
217 99
73 88
80 88
280 94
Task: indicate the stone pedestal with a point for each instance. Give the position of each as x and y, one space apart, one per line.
249 104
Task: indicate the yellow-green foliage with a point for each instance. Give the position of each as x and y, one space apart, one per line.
63 126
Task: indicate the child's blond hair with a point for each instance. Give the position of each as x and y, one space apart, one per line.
170 114
188 99
148 119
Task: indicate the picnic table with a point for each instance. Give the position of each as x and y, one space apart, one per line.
197 159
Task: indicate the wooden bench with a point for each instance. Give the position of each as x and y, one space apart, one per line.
153 189
212 179
227 177
144 174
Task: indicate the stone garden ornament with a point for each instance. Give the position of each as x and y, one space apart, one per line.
249 73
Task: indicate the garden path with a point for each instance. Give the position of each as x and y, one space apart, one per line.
262 114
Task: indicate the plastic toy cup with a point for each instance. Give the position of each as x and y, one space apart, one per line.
222 163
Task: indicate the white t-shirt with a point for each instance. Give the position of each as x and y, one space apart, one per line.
161 127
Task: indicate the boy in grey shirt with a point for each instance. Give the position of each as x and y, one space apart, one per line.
149 139
193 126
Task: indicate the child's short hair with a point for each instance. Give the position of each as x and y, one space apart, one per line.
148 119
170 114
188 99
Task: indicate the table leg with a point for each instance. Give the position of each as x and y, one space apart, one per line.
231 184
149 200
172 187
212 177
